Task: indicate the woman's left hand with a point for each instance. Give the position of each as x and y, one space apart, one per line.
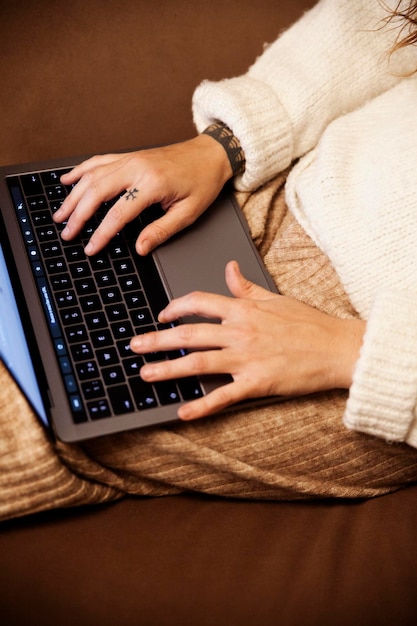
270 344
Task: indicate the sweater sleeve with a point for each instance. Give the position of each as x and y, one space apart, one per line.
383 396
335 58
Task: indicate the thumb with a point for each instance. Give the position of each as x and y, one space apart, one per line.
180 215
241 287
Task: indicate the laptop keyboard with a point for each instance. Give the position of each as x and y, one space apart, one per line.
95 305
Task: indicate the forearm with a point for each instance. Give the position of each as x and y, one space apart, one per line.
383 396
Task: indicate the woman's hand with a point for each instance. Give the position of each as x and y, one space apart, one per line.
185 178
270 344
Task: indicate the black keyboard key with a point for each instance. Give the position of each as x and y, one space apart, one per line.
47 233
145 329
98 409
37 203
96 320
51 177
71 316
56 192
135 300
141 317
152 357
123 347
56 265
118 250
32 184
99 262
76 334
66 298
93 389
87 231
143 394
85 286
86 370
190 388
107 356
122 330
132 365
101 338
80 269
121 400
90 303
82 351
62 281
107 278
111 295
51 249
41 218
74 253
167 392
129 283
54 205
117 312
113 375
123 266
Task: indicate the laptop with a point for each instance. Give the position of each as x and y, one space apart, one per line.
66 320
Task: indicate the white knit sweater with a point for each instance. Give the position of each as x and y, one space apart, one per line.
329 93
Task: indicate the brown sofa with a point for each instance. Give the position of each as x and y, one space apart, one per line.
92 76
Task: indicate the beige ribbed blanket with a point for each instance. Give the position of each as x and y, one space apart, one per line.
289 450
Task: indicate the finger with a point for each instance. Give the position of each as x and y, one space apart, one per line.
85 166
241 287
129 206
199 303
214 402
178 217
192 364
185 336
95 186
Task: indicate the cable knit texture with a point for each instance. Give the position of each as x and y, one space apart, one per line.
383 401
345 108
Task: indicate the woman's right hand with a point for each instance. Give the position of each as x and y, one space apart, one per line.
185 178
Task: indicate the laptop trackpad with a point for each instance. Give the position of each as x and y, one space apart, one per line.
195 259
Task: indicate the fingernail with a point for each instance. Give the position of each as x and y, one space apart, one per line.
89 249
66 232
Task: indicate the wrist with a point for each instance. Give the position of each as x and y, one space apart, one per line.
213 157
348 342
230 144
